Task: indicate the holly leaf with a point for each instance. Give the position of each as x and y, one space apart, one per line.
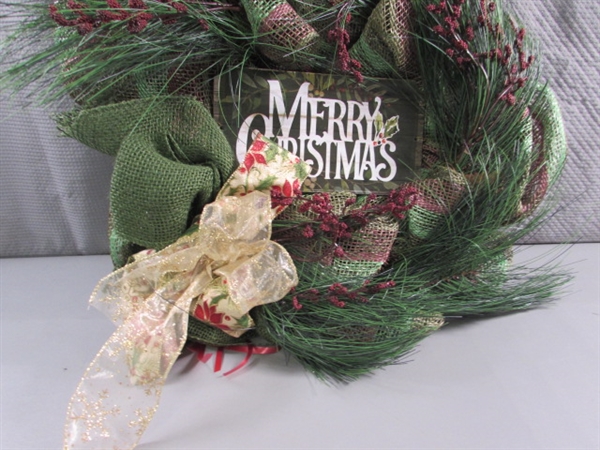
261 82
379 123
247 79
391 127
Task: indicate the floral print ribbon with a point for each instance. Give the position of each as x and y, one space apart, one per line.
227 263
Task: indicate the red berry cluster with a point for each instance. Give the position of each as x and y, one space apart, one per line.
341 38
460 35
284 196
135 14
330 224
83 22
398 202
337 228
515 79
453 31
339 295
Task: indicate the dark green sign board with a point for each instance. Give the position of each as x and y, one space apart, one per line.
363 138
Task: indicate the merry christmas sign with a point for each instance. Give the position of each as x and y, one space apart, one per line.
362 138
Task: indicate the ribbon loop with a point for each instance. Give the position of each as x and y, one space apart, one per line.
237 226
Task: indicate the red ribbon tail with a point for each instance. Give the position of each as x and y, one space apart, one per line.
248 349
254 349
200 351
243 363
219 359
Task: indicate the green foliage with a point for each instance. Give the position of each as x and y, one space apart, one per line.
468 96
93 66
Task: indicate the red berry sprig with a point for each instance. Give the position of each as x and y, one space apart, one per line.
136 14
460 36
339 295
338 228
339 35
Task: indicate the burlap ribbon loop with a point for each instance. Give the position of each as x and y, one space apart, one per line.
171 158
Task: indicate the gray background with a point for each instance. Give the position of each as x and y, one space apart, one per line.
54 191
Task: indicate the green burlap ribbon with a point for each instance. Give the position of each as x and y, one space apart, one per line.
171 159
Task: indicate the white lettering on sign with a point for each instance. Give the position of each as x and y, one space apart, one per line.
340 139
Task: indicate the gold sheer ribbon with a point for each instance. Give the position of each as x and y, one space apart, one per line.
150 300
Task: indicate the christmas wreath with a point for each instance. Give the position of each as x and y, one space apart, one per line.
213 251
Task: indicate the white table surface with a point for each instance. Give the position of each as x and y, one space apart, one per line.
521 381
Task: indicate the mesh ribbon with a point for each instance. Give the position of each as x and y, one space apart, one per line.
283 35
549 150
385 46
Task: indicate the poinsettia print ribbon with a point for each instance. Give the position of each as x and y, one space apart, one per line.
229 263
